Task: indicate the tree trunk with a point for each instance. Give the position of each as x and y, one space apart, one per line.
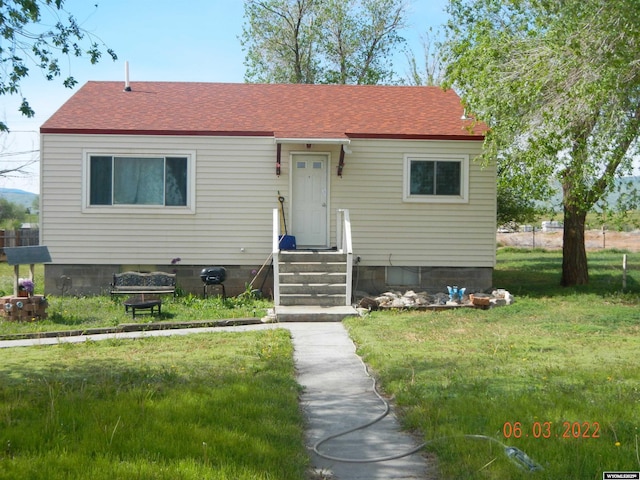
574 254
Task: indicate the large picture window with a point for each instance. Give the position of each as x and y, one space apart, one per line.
435 178
145 180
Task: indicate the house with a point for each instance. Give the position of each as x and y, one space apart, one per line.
177 176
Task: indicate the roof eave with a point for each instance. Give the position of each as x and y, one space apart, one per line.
409 136
289 140
313 140
184 133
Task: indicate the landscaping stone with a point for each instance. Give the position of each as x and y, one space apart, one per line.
423 300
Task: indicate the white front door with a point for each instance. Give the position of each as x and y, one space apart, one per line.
309 185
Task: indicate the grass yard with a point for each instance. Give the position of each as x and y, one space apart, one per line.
556 374
80 313
217 406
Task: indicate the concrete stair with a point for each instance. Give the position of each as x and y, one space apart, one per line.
313 286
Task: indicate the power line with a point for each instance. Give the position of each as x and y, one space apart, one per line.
11 154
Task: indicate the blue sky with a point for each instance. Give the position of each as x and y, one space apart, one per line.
197 41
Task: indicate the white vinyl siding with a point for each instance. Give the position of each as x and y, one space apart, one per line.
387 231
236 190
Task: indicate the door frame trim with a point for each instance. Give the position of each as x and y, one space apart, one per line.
327 156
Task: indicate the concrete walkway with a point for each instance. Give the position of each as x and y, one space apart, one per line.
338 395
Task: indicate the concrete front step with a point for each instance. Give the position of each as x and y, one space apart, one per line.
313 313
311 267
308 278
313 289
312 256
313 277
320 299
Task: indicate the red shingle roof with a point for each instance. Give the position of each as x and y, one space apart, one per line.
280 110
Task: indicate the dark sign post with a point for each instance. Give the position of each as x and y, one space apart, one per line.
17 256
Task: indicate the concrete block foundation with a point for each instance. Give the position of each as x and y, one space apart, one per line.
80 280
373 280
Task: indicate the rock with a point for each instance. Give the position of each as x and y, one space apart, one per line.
368 303
440 299
410 299
270 317
420 301
398 303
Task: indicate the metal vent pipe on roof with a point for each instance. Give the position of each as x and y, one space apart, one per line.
127 87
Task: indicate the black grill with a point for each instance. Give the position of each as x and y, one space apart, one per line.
213 276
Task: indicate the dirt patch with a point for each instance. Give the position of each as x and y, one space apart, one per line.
595 240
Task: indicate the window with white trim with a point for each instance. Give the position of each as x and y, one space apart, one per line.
138 180
436 178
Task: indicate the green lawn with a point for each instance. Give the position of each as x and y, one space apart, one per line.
555 375
81 313
208 406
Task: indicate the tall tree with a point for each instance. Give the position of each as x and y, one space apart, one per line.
430 70
28 41
358 39
559 85
281 39
11 213
321 41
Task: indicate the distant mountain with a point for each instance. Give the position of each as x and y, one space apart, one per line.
20 197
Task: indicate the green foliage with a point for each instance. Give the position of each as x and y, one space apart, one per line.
623 213
220 406
556 355
36 33
515 205
560 102
321 41
11 214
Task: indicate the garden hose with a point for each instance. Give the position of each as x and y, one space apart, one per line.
517 456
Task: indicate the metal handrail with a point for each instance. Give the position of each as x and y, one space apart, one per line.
275 251
343 242
345 245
